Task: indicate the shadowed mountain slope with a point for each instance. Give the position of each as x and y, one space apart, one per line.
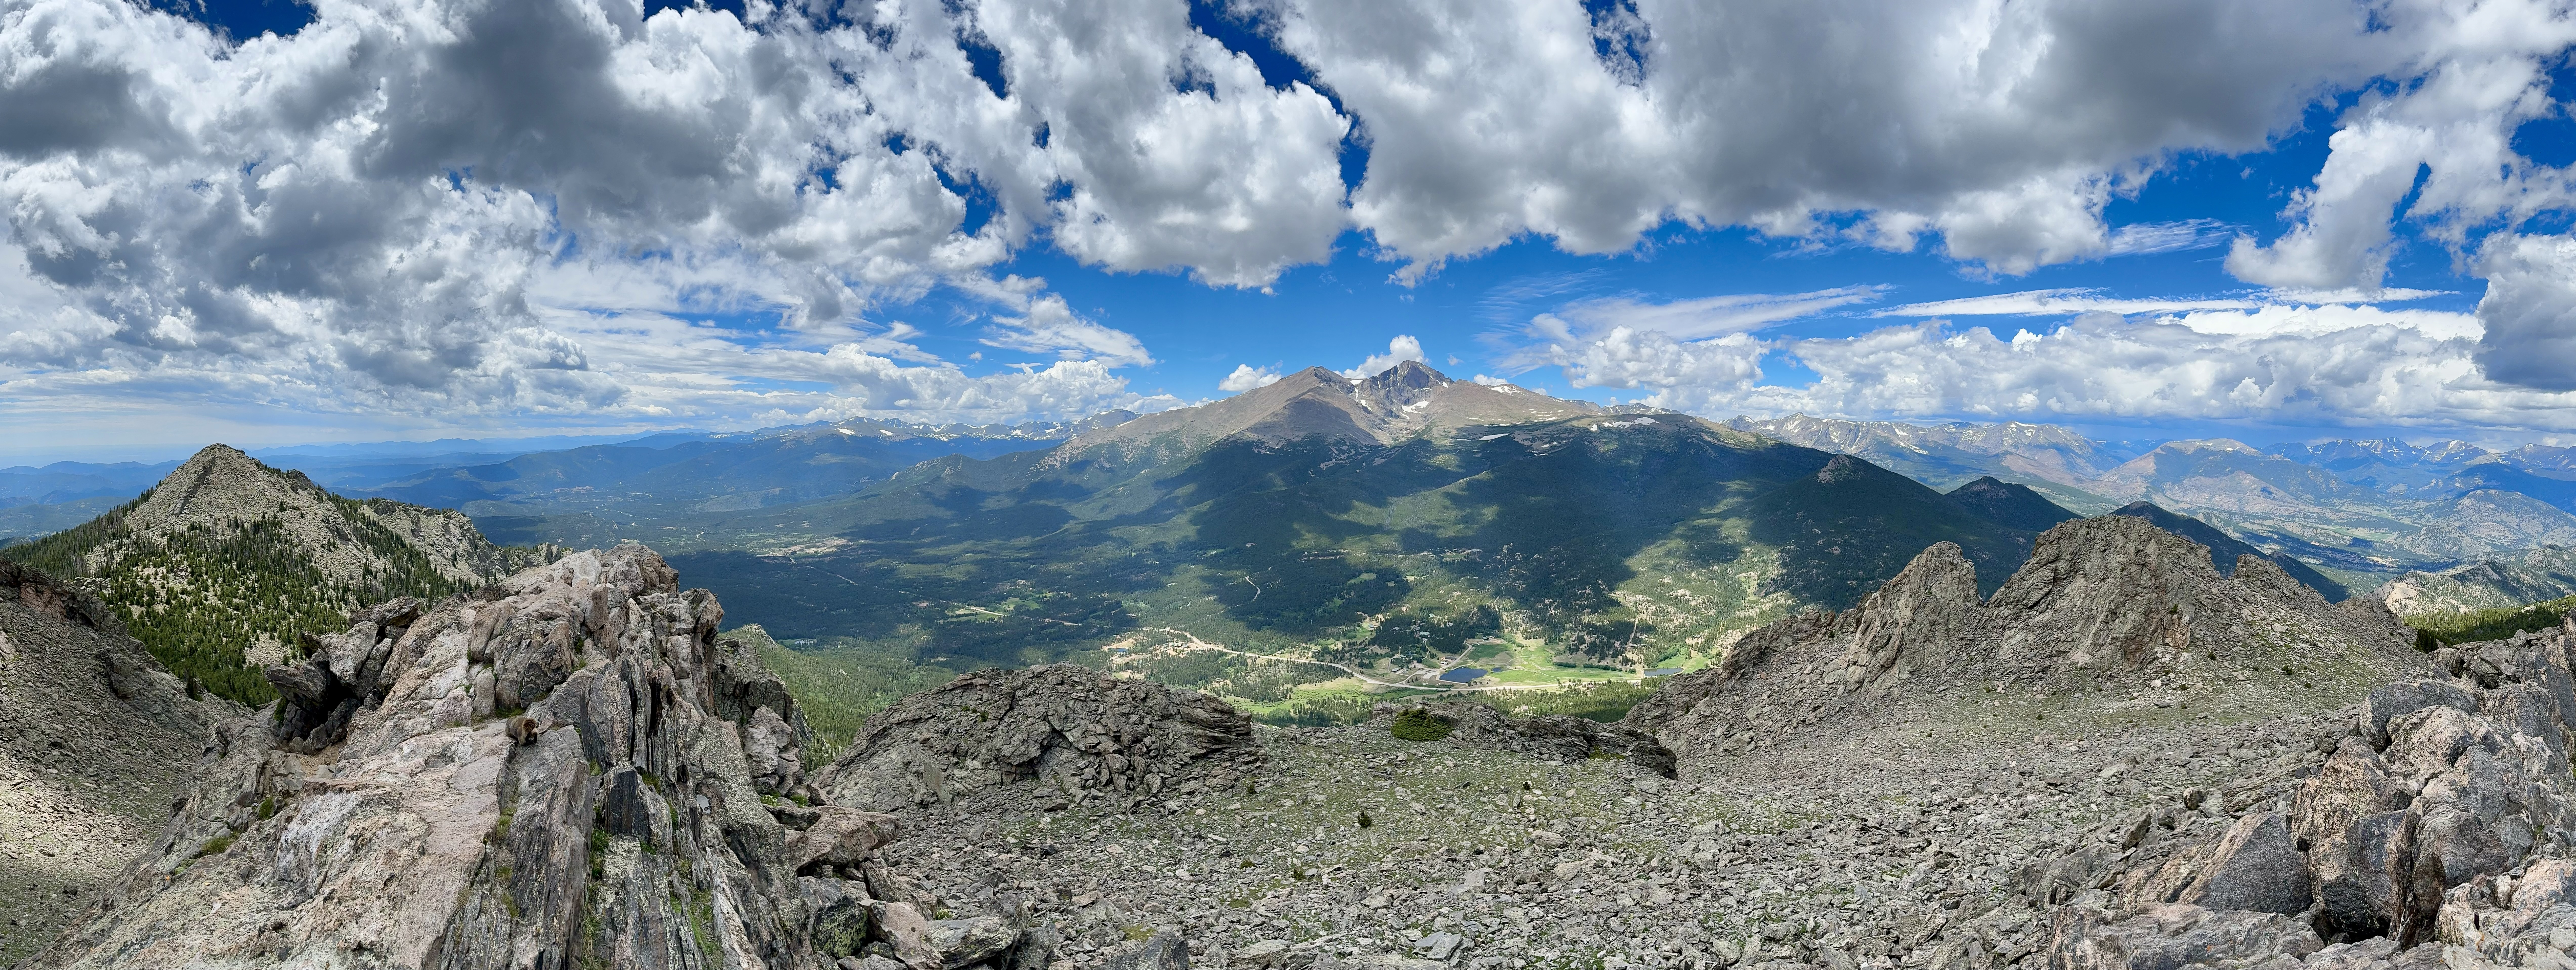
1318 510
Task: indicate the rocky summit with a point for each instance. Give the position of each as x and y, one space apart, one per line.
2119 759
227 564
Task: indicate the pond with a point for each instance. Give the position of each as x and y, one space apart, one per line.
1463 675
1663 671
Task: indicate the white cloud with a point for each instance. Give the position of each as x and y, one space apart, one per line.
2168 237
2282 320
2005 129
383 211
1613 335
1246 377
2054 303
2268 312
1051 327
1645 358
2530 311
2482 70
2325 365
1403 348
1699 318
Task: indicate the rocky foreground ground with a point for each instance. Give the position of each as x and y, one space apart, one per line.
95 743
2119 760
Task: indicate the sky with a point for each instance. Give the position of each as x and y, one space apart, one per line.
270 222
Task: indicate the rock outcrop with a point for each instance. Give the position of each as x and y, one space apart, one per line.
1073 732
1561 737
2438 828
95 741
2110 602
566 769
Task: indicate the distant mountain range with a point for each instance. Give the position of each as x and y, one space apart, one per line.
1610 530
1377 516
2361 512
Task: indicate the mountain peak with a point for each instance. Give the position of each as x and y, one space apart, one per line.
257 556
1401 402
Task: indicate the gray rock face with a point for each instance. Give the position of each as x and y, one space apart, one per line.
2174 936
2445 816
1164 951
535 776
1064 727
2255 866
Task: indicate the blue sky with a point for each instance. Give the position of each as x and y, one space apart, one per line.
2280 220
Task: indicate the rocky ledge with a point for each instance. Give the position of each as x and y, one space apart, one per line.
567 769
2437 832
1072 733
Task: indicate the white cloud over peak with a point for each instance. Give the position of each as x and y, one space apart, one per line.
1694 319
1403 348
2178 358
1247 377
1048 326
2327 365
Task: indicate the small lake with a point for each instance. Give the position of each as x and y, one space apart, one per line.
1463 675
1663 671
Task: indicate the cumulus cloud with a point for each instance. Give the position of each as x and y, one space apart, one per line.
1403 348
1645 358
2529 312
2057 303
376 212
1625 341
398 208
1051 327
1246 377
2004 130
2447 140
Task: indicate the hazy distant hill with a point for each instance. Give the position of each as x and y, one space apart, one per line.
1376 515
2056 459
227 559
2527 577
620 490
2359 511
42 501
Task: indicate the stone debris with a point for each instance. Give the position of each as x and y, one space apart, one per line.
1060 734
2440 824
555 772
96 740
